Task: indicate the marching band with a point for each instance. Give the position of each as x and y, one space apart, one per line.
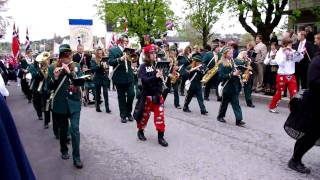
59 86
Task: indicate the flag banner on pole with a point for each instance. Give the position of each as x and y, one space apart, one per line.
15 43
27 44
81 33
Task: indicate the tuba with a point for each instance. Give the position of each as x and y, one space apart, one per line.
43 60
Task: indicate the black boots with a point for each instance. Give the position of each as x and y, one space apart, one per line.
240 123
186 109
141 135
130 118
298 166
221 119
161 140
78 164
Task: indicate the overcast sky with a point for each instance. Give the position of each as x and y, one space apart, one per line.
46 17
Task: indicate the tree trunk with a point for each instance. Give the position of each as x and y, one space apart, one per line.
205 35
265 33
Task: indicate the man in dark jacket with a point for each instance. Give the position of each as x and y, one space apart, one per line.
302 66
310 115
123 78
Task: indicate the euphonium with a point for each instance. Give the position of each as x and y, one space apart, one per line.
43 59
210 73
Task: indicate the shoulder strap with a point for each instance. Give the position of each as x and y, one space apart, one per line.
56 91
210 61
82 56
195 74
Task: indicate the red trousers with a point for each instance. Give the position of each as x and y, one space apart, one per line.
158 111
284 81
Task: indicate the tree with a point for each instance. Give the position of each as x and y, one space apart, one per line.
255 10
141 16
261 16
188 33
3 19
203 14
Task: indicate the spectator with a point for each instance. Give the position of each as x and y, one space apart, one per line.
310 34
274 38
292 35
3 71
235 49
261 50
310 115
302 66
271 70
3 90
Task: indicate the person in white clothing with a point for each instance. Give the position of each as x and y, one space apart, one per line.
286 59
271 70
3 90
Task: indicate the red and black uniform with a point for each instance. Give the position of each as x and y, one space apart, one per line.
151 92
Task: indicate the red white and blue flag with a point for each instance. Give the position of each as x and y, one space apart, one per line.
27 43
15 43
113 42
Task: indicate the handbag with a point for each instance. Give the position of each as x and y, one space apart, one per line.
221 87
139 108
188 82
295 123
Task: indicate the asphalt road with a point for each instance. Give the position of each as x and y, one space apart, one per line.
199 146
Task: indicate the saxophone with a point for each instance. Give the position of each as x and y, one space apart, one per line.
246 74
174 74
210 73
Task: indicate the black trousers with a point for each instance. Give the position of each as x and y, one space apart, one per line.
125 99
175 92
305 143
301 75
55 124
38 103
212 83
184 78
25 89
63 121
98 95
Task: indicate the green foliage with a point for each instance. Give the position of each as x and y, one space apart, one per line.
190 34
245 39
203 14
258 16
143 16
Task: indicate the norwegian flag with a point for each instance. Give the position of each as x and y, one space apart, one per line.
112 42
27 43
15 43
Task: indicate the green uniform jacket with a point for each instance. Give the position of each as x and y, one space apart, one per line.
183 62
64 102
120 76
234 85
196 82
207 58
24 64
100 78
37 77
